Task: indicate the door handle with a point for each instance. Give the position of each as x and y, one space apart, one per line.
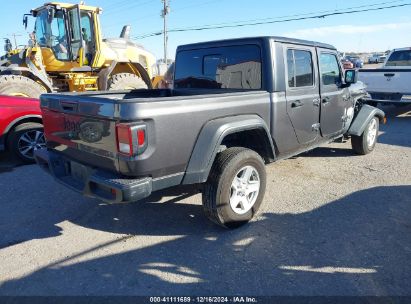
389 74
316 102
326 99
296 104
68 106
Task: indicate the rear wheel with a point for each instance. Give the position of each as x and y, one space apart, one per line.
25 139
366 142
235 188
14 85
126 81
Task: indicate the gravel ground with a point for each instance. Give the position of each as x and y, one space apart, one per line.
332 223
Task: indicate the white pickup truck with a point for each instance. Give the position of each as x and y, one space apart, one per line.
392 82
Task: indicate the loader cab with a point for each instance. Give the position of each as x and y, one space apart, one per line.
66 35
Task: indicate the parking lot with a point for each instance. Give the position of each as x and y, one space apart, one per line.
332 223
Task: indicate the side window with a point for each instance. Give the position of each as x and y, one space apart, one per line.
300 68
330 69
86 27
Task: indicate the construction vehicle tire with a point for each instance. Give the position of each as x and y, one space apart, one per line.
126 81
15 85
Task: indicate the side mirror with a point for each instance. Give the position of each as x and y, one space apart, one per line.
7 45
350 77
25 21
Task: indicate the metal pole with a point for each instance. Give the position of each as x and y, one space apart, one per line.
15 40
164 15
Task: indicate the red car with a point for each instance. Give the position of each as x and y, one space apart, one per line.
347 64
21 127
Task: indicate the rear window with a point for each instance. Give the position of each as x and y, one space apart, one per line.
231 67
300 68
399 58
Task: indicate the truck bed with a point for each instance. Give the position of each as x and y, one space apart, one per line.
82 126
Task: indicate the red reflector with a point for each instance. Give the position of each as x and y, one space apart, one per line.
124 139
141 137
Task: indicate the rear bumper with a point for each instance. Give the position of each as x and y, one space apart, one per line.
390 98
92 182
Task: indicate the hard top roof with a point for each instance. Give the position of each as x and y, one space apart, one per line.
253 39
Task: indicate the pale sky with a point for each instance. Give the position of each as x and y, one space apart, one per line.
366 31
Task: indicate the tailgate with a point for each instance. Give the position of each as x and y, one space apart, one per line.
80 129
386 80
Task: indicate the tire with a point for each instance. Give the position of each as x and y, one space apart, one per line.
223 204
365 143
26 137
20 86
126 81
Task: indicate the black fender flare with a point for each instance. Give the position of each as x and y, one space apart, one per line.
362 119
104 74
209 141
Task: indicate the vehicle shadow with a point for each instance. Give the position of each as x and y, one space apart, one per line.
328 152
396 131
356 245
30 210
7 162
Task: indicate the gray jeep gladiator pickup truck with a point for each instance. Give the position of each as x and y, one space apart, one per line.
236 106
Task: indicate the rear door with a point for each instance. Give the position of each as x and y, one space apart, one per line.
334 99
302 91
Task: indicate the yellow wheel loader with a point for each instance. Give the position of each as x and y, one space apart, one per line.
66 53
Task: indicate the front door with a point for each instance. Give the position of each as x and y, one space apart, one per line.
302 93
334 98
76 39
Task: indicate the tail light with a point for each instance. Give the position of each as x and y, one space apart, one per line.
131 139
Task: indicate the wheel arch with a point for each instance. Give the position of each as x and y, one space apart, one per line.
18 121
232 131
117 67
362 119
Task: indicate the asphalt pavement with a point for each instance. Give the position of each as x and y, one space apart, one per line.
332 223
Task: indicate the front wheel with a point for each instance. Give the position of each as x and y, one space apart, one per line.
365 143
235 188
